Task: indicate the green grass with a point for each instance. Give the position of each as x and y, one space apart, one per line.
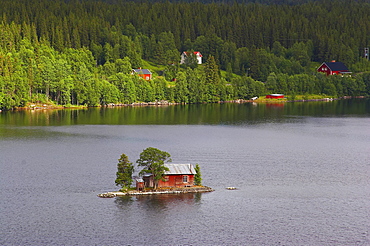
291 98
154 68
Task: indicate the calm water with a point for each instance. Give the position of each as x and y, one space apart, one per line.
302 171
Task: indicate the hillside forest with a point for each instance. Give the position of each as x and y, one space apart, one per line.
82 52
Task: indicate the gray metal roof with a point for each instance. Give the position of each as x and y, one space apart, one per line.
180 169
142 71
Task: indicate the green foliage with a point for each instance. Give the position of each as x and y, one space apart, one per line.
197 176
73 56
124 172
153 160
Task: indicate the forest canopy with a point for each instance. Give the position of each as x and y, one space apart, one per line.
82 52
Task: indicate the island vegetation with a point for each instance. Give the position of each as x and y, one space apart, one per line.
153 162
82 52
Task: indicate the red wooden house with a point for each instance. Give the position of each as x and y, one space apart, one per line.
179 175
143 73
275 96
333 67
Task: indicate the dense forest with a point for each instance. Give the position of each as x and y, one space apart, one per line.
82 51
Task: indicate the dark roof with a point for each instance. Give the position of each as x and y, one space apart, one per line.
336 66
142 71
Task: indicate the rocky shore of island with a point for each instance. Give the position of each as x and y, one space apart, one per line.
197 189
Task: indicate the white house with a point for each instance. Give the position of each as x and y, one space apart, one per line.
185 54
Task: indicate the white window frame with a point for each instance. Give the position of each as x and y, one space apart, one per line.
185 179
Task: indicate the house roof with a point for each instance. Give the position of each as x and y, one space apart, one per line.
336 66
142 71
197 53
180 169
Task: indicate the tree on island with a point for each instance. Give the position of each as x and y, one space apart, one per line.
197 176
124 173
153 160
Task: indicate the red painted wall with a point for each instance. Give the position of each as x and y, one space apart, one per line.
271 96
145 76
176 181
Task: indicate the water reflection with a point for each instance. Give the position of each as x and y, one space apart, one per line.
123 202
228 113
160 202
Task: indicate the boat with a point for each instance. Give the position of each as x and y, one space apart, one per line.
231 188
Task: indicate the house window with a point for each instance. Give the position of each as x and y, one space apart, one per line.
166 178
184 179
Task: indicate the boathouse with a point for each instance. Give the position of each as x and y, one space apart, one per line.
275 96
178 175
334 67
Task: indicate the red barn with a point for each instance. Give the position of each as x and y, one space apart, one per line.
333 67
275 96
179 175
143 73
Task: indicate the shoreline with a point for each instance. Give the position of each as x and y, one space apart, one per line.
166 103
197 189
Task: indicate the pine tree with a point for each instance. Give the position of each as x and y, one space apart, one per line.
197 176
124 172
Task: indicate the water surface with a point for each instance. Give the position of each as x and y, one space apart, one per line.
302 173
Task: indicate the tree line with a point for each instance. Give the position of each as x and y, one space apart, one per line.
82 52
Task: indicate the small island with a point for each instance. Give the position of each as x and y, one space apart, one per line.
156 177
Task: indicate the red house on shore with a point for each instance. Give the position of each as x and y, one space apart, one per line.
333 67
179 175
143 73
275 96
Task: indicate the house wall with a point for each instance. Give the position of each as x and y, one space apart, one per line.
140 186
145 76
182 58
176 181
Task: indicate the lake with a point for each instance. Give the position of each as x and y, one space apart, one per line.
302 172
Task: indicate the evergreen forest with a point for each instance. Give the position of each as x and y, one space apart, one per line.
82 52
